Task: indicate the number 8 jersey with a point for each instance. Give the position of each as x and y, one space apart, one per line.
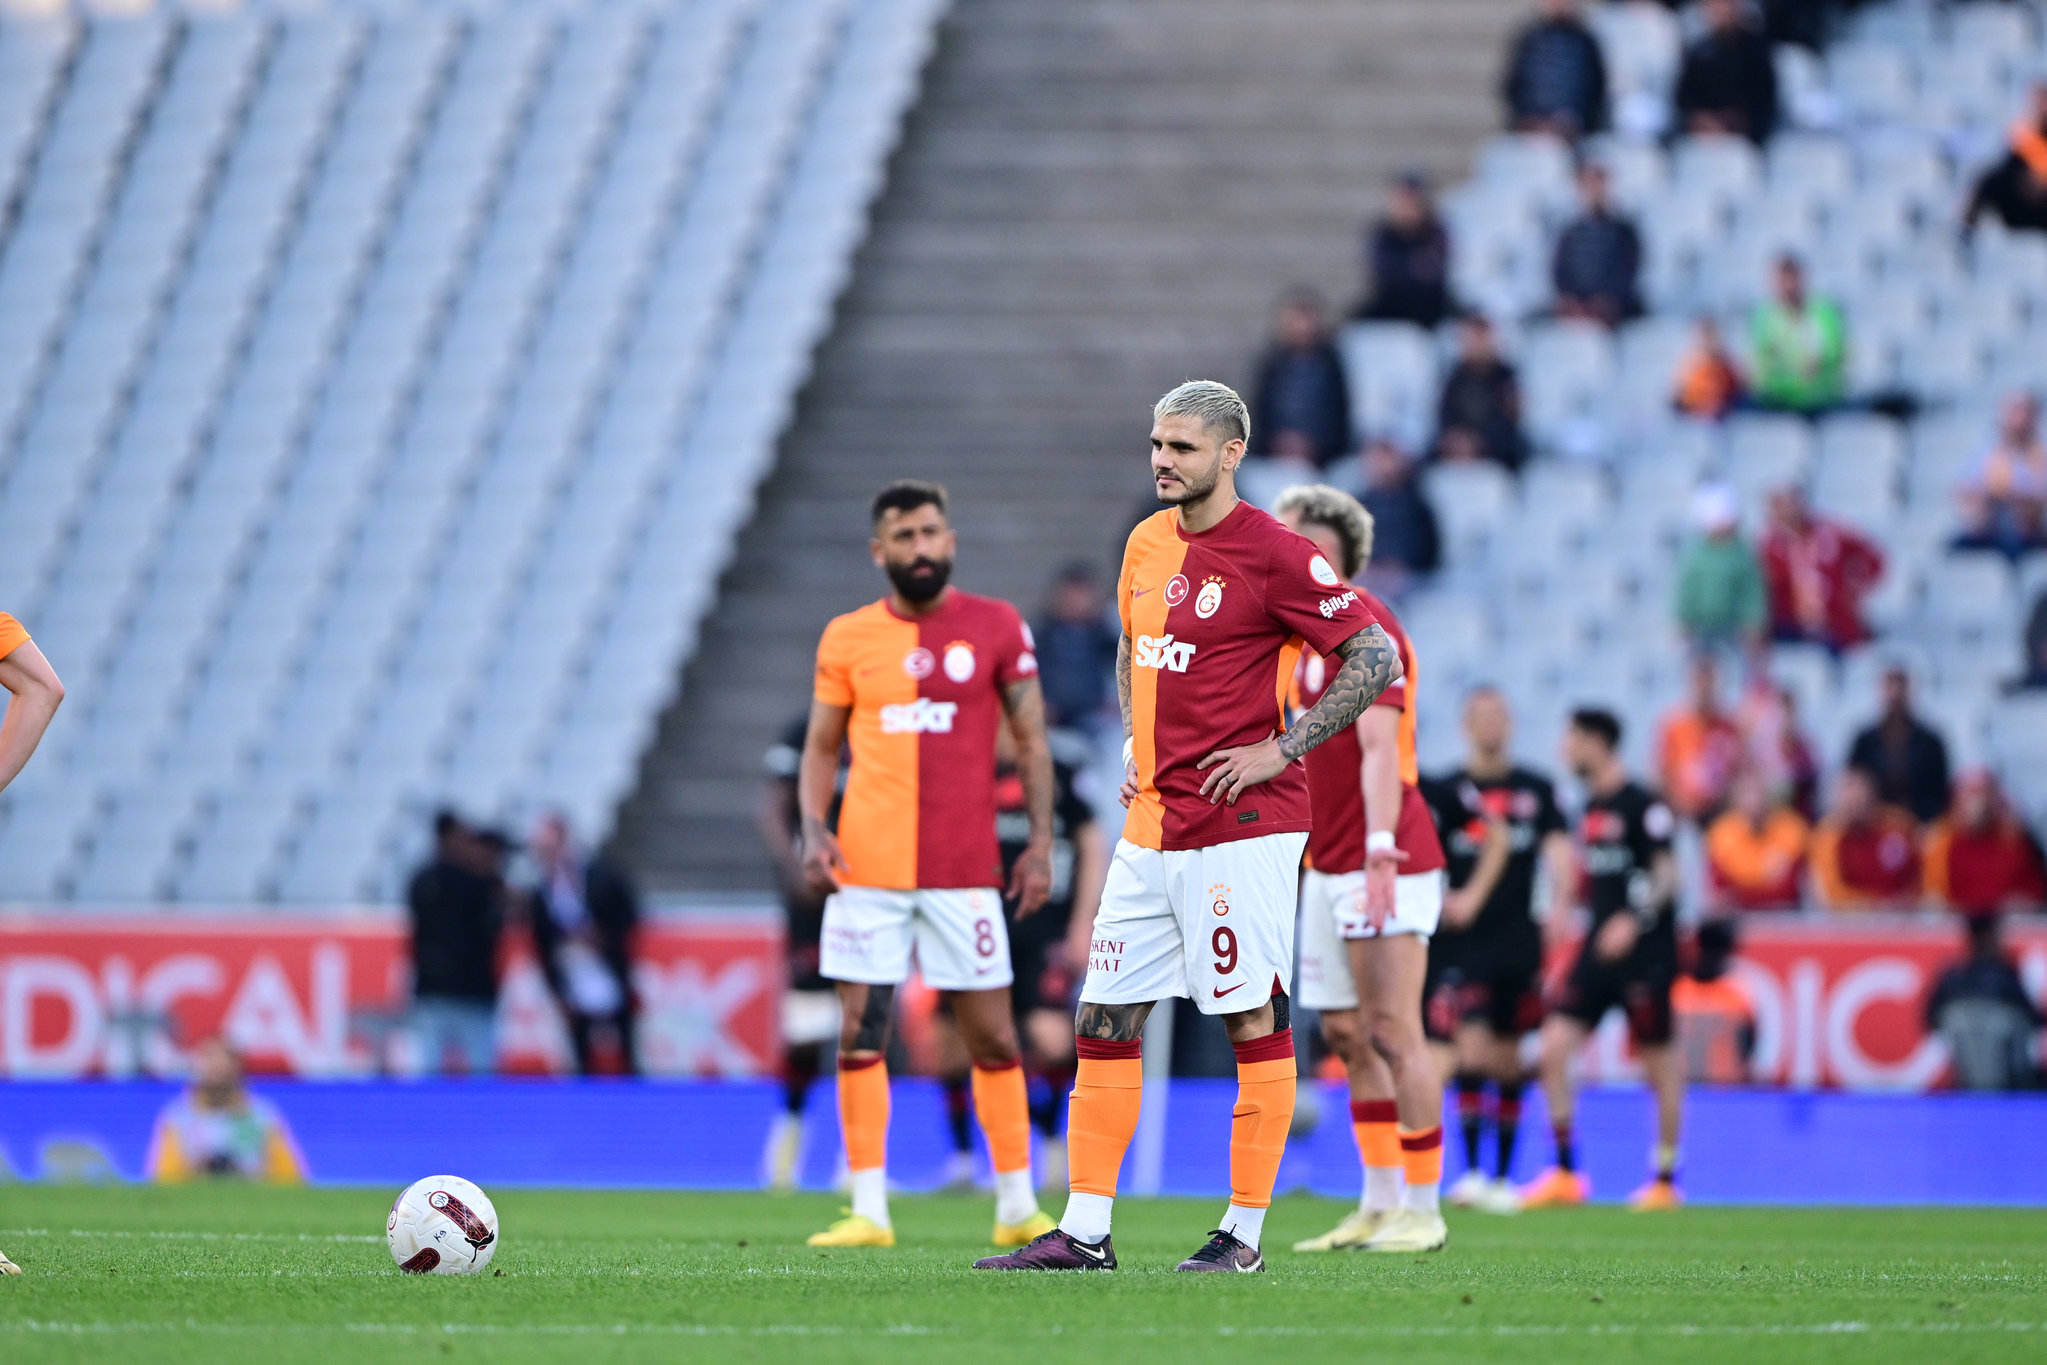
925 696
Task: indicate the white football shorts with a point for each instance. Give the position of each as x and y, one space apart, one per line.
1214 925
1332 910
960 940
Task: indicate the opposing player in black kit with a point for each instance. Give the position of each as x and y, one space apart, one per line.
1628 960
1498 820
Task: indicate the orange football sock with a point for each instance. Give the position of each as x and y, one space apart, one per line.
1264 1112
1108 1089
1003 1105
863 1112
1422 1153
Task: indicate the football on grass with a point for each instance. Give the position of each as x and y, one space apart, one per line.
442 1225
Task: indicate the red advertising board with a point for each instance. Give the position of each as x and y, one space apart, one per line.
96 995
1841 1001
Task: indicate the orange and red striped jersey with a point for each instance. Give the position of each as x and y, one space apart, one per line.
12 635
1216 622
925 696
1336 768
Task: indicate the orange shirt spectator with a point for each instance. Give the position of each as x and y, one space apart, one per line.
1714 1013
1755 851
1979 859
1700 748
1865 855
1708 383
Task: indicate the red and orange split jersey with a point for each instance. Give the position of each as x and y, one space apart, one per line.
926 696
1336 768
1216 622
12 635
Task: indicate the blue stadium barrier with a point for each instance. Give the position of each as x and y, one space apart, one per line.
1742 1146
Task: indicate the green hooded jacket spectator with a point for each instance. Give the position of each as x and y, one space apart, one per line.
1801 347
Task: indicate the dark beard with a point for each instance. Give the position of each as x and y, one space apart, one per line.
920 580
1190 490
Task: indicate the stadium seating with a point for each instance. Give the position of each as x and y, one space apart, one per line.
381 386
1884 136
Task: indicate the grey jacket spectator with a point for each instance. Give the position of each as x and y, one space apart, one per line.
1407 259
1728 83
1980 1008
1076 648
1301 410
584 916
1556 76
1406 542
1598 260
1478 416
1903 755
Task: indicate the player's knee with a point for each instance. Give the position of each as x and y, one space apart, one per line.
1396 1039
1340 1031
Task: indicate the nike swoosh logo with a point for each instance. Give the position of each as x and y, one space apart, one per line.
1220 994
1092 1253
1139 592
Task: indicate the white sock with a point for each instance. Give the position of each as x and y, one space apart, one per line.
1087 1217
1422 1198
1246 1225
1015 1199
1382 1189
870 1194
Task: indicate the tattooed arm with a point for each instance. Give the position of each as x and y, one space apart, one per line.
1370 665
1129 791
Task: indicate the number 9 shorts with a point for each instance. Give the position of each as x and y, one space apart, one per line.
958 935
1214 925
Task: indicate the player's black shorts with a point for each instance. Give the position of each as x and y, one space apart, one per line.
1039 985
1638 985
1504 996
1441 987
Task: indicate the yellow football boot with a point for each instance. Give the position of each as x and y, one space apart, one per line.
854 1230
1024 1233
1356 1228
8 1267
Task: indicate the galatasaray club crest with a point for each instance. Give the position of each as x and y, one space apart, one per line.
1219 898
959 661
1209 599
918 662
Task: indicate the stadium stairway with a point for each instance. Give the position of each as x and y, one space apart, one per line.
1094 200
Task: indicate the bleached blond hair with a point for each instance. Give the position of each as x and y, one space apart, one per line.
1340 512
1217 405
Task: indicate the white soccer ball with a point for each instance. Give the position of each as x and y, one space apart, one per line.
443 1225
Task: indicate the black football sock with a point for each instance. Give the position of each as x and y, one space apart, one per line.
1567 1151
1508 1125
959 1109
1471 1115
800 1067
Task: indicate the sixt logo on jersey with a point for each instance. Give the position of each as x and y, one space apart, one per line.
920 717
1162 651
1332 605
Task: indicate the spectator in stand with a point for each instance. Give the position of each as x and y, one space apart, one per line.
1980 1009
1714 1012
1728 84
1755 850
1722 606
1903 755
457 916
1302 407
1406 542
1407 259
1556 75
2015 189
1980 858
1774 745
1709 383
2035 676
1076 647
1598 263
584 915
1800 361
1700 748
1818 571
2004 497
1865 854
1478 416
217 1128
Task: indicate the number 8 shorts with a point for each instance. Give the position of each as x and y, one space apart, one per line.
958 934
1215 925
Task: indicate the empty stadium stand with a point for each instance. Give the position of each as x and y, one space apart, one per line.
380 388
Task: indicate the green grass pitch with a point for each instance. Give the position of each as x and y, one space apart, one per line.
238 1274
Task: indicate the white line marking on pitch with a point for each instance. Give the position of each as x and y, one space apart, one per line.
911 1329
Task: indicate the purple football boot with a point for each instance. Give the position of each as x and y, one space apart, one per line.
1224 1252
1055 1250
